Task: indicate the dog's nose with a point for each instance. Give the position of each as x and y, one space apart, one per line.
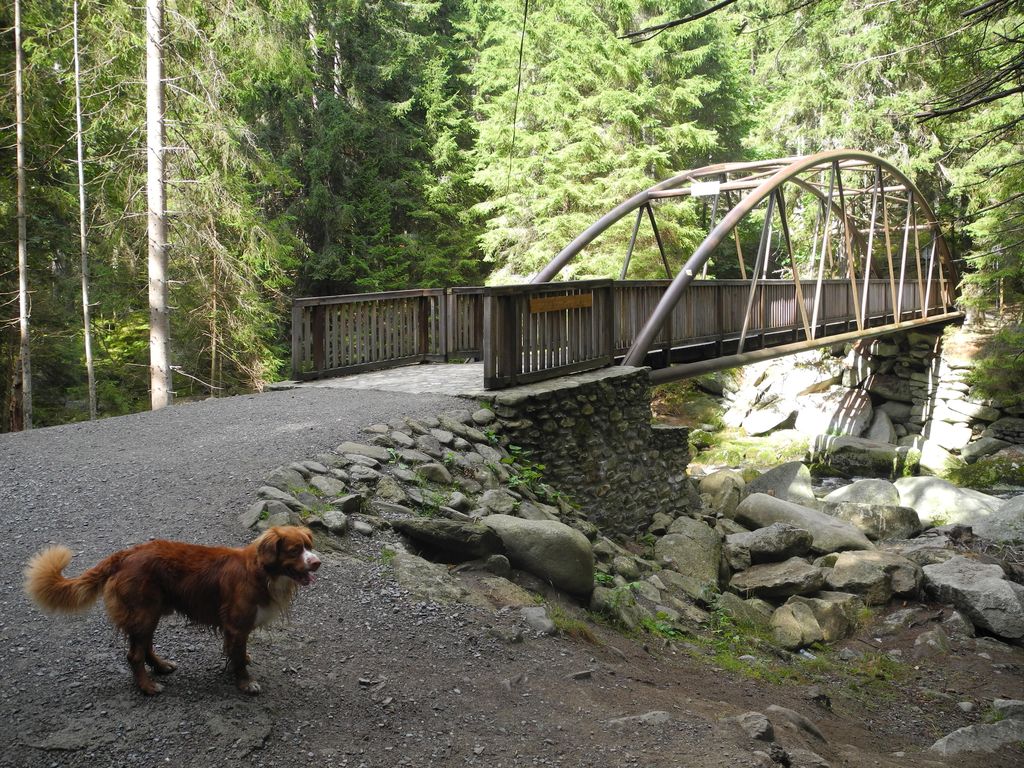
312 561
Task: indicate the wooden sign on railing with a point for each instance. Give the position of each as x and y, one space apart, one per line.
557 303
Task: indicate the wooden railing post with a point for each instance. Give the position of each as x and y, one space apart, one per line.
319 331
296 340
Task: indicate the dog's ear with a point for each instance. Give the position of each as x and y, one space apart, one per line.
307 537
268 547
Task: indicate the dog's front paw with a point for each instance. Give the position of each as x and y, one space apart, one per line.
150 687
249 686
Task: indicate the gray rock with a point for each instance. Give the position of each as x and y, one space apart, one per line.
790 482
828 534
982 447
277 514
1009 428
433 472
402 440
656 717
980 738
867 491
429 445
881 428
936 460
836 411
753 612
274 494
756 725
286 479
483 416
765 417
425 580
252 515
889 387
537 619
792 577
804 758
775 542
878 522
852 456
876 575
939 502
828 617
443 436
362 527
952 437
334 521
328 486
724 489
795 719
498 501
361 449
934 642
457 540
550 550
412 456
692 549
388 489
460 502
619 604
362 474
350 502
1009 708
982 592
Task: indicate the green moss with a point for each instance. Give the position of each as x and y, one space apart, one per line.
987 473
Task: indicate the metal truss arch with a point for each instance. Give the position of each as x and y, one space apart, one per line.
762 182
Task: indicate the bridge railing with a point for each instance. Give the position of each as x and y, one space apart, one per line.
542 330
336 335
530 332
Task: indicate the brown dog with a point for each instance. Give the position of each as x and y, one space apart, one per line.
232 590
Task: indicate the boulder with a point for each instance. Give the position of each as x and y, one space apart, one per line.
826 617
790 481
981 592
836 411
724 490
455 540
881 429
983 737
775 542
867 491
427 580
1005 524
328 486
939 502
828 534
753 612
1008 428
875 575
693 549
790 577
763 418
375 452
936 460
850 456
982 447
548 549
889 387
878 522
952 437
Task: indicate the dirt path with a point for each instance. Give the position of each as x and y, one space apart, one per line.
365 675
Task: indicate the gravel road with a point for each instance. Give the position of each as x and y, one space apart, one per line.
364 674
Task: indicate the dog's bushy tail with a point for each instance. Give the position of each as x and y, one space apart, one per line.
46 584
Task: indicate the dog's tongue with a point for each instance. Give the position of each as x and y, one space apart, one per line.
306 579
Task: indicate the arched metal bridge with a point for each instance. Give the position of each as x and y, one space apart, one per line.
799 253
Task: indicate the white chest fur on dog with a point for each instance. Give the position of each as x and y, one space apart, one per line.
282 589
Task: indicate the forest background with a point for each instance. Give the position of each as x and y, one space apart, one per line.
337 146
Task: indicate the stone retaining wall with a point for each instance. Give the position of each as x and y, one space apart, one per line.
593 433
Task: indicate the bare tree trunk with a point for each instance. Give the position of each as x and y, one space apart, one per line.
86 321
26 361
159 319
213 331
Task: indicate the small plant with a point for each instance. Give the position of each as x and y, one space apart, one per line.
602 578
387 556
661 626
491 435
570 626
395 456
